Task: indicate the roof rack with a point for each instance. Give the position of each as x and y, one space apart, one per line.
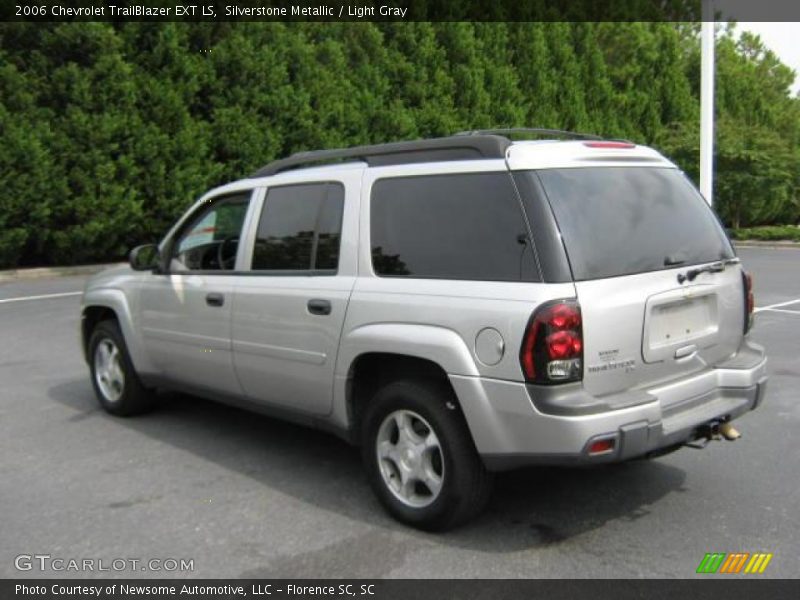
465 145
459 147
531 131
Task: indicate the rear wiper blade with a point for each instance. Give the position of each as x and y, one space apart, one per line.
691 274
673 260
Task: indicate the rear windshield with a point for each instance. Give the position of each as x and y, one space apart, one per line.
625 220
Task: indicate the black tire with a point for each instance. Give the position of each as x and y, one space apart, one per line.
133 398
465 483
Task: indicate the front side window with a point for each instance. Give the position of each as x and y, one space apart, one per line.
210 240
454 226
300 228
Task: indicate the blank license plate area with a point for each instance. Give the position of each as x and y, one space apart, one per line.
682 321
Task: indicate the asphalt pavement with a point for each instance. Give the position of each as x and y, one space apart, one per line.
242 495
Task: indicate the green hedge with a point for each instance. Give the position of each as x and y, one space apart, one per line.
108 131
768 233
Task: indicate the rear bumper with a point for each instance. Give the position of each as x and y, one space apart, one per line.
510 431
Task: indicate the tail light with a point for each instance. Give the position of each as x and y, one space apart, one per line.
552 348
749 300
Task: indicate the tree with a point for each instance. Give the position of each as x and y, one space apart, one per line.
110 130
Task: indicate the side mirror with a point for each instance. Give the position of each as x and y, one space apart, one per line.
145 258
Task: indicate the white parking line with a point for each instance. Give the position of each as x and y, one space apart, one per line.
778 305
784 311
42 297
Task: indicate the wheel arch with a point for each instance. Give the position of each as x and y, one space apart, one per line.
372 370
90 317
102 304
391 349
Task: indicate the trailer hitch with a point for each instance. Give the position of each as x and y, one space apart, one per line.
713 431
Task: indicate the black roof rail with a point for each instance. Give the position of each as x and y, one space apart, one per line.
532 131
472 147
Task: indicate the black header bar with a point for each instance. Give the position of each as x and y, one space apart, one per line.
396 10
711 588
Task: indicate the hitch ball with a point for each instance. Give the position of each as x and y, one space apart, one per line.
729 432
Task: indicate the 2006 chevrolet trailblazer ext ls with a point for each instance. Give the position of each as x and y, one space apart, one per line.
456 306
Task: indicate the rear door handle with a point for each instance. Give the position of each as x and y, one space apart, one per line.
318 306
685 352
215 299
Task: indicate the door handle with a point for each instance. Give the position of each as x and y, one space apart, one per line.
317 306
685 352
215 299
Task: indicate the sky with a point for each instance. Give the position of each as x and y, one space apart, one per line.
782 39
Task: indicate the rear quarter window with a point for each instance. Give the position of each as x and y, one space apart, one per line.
454 226
625 220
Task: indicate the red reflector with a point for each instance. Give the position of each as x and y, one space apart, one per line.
622 145
601 446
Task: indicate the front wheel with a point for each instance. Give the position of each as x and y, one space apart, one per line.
114 379
420 458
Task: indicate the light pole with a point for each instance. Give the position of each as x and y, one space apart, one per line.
707 102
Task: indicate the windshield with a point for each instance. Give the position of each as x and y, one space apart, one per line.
624 220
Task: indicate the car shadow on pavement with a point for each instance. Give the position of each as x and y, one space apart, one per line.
530 508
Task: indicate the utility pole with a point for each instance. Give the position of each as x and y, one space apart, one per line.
707 102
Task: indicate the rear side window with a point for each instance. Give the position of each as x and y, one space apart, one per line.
625 220
459 226
300 228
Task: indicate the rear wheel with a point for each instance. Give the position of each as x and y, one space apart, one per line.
114 379
420 458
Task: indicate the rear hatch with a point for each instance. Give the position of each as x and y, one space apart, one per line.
658 283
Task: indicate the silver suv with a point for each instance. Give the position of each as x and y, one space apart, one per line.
455 306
